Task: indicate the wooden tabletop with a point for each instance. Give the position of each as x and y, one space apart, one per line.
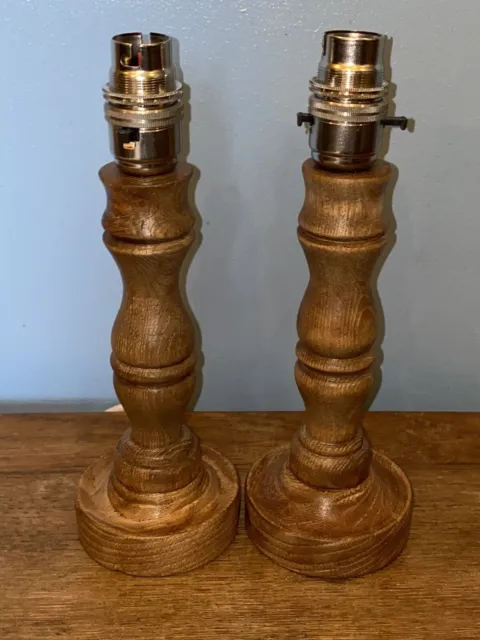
51 589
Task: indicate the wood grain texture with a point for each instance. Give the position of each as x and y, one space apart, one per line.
326 505
51 589
159 504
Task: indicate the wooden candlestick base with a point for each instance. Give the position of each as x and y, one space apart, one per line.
328 506
160 504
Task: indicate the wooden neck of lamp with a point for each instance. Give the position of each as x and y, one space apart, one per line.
328 505
153 342
342 231
161 504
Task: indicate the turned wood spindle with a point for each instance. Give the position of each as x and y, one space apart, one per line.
329 505
161 504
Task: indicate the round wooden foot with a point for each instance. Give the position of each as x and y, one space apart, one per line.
329 534
191 526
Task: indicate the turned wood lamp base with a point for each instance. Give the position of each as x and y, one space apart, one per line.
329 534
180 531
329 506
160 504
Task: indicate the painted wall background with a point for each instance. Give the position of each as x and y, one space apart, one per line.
248 64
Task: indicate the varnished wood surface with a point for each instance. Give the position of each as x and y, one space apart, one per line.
51 589
293 516
158 504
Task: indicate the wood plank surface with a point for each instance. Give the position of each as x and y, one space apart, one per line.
51 589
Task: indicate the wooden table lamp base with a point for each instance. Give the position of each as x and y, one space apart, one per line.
192 526
160 504
328 534
328 506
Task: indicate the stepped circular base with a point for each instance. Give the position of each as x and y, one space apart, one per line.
192 526
331 534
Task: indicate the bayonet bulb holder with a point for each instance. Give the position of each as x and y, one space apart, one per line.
143 104
348 102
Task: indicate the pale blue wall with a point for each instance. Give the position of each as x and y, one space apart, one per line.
248 65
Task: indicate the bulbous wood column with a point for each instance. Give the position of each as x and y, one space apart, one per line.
328 505
160 504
